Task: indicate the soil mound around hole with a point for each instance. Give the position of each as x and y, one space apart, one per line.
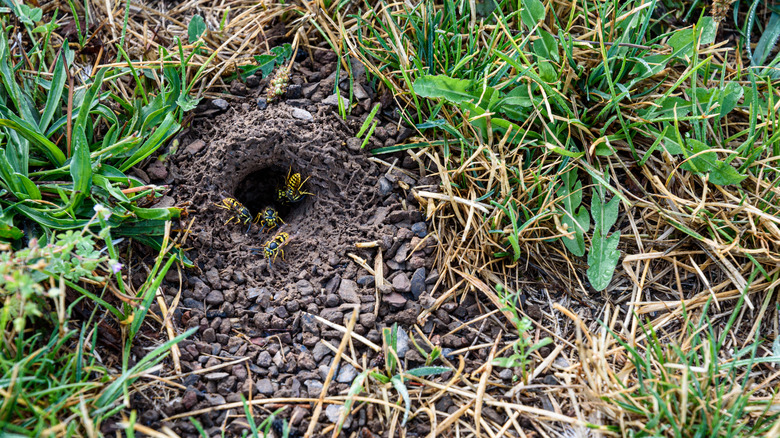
248 157
259 334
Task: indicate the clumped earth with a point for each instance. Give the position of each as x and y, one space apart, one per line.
262 314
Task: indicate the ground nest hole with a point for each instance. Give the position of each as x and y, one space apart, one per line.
258 190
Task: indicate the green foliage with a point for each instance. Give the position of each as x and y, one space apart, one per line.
523 347
265 63
686 389
196 28
484 84
575 217
54 184
603 255
393 372
47 362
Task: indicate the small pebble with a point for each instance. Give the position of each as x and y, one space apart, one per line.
220 104
262 103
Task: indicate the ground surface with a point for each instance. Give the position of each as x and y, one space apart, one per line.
258 335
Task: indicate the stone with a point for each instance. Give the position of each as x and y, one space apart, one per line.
506 374
220 104
262 103
334 315
347 373
252 293
418 283
354 144
401 253
209 335
195 147
420 229
212 276
304 287
404 133
215 376
320 351
309 90
402 343
215 399
215 298
252 81
265 387
309 324
264 359
239 371
348 292
385 186
333 413
157 171
294 91
332 300
299 413
313 387
366 280
302 114
238 88
367 320
359 92
401 282
394 299
190 303
333 100
189 399
306 361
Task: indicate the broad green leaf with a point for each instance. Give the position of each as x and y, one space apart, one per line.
707 29
700 161
547 72
38 141
80 169
27 111
532 12
724 174
456 91
187 103
89 100
767 42
156 213
196 28
602 259
546 47
729 97
56 88
104 183
428 371
576 220
29 15
9 232
29 187
604 216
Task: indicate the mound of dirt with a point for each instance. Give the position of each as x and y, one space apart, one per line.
258 330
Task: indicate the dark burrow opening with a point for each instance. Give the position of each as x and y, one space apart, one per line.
259 190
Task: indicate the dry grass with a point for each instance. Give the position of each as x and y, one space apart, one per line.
690 249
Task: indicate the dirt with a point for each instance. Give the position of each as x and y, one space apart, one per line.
258 315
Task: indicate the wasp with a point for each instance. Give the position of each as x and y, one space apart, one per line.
240 213
273 248
269 217
292 191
